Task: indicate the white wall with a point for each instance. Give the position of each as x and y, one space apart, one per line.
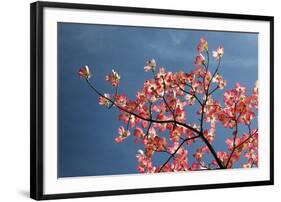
14 99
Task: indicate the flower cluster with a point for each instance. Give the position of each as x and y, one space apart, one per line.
104 100
217 54
150 65
145 163
202 45
84 72
238 107
113 78
159 116
247 143
122 134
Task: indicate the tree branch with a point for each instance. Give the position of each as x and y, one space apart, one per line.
174 153
210 147
194 95
116 91
150 123
140 117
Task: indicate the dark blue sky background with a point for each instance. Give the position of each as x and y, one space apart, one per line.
87 130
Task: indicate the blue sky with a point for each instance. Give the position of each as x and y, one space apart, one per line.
86 130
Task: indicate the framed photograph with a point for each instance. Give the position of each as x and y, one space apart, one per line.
136 100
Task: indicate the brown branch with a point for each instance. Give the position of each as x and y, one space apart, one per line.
236 132
166 103
194 95
216 71
206 68
247 139
174 153
116 91
138 116
150 123
210 147
216 88
129 116
237 146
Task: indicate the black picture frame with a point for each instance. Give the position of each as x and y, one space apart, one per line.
37 101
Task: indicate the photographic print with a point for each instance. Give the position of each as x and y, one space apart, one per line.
131 100
150 100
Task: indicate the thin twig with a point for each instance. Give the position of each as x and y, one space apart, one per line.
174 153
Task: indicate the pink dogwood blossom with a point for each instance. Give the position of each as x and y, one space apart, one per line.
150 65
217 54
113 78
84 72
122 134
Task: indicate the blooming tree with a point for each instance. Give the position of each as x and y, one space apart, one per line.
161 108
